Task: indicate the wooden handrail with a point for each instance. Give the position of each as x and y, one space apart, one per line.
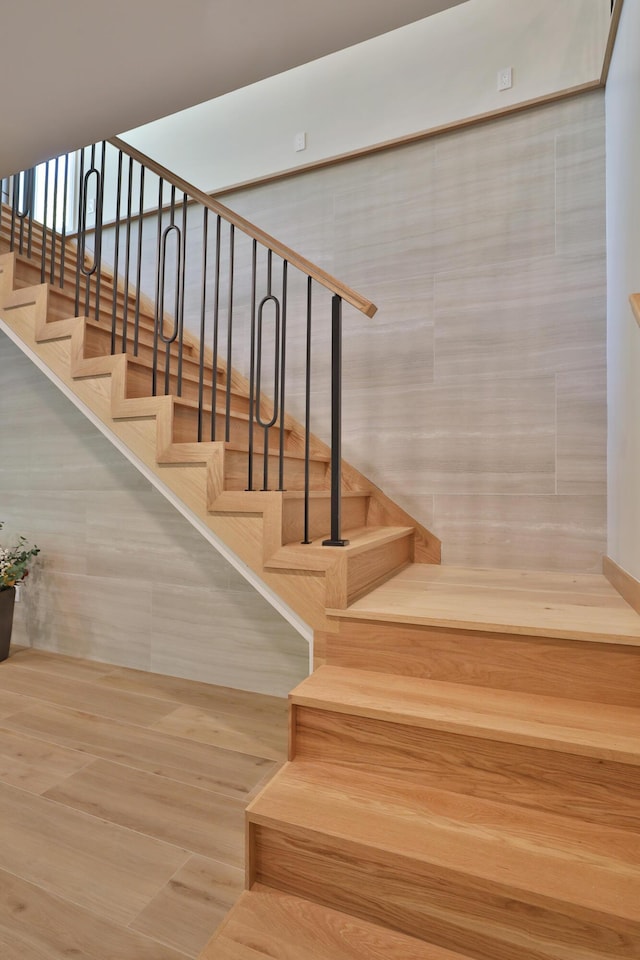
634 300
286 253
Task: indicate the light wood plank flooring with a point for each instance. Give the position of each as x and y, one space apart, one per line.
122 798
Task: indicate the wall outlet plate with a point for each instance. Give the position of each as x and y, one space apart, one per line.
300 142
505 78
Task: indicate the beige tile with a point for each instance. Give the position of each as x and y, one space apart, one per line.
495 201
580 178
136 535
582 432
122 706
183 760
36 925
483 436
187 911
206 823
231 642
95 617
548 533
59 849
384 219
538 316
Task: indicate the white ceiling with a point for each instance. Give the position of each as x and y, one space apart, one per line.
76 71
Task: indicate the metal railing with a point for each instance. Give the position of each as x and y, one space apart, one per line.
210 305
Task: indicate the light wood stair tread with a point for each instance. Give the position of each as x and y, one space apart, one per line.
569 606
537 856
266 924
567 726
360 540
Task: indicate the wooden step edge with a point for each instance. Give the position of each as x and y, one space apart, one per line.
315 456
315 556
574 727
268 924
234 501
536 857
484 626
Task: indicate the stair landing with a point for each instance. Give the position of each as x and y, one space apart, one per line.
527 602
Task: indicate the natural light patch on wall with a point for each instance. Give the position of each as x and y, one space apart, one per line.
439 71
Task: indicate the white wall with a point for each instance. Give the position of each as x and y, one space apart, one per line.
623 278
438 71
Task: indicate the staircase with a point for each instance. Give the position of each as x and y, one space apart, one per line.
464 762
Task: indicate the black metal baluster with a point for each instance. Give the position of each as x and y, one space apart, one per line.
22 213
181 289
216 317
307 414
203 316
43 262
170 229
15 186
336 423
32 204
158 319
52 274
136 330
63 241
127 258
252 362
81 231
267 424
227 422
97 247
116 254
283 363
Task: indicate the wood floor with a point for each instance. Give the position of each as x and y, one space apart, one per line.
122 798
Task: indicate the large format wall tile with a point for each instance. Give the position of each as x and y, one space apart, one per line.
543 533
484 251
113 548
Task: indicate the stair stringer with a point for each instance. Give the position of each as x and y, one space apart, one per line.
92 397
188 474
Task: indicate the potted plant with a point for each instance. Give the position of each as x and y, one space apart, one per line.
14 567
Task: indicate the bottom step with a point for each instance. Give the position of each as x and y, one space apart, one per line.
268 925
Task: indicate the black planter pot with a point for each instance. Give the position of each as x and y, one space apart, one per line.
7 602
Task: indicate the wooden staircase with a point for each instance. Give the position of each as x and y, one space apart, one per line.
464 777
473 821
263 528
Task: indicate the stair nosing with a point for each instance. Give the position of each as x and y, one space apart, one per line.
549 736
537 872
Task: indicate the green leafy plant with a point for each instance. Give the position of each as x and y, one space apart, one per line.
15 561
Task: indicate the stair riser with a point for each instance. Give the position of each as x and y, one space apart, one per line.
185 430
236 472
599 791
98 344
354 514
140 384
478 918
578 670
368 570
